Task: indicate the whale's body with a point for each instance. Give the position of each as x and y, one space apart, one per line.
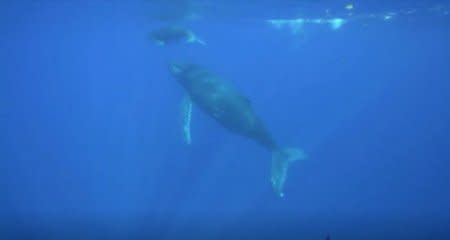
173 34
234 111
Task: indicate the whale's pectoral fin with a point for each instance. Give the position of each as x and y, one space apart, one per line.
186 111
280 164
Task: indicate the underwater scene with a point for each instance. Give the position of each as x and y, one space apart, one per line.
225 119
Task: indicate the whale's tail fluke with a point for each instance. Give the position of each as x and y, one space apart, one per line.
192 38
280 164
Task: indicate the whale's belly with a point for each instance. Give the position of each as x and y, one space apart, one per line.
229 109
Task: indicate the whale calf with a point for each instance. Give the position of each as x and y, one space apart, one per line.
174 34
232 110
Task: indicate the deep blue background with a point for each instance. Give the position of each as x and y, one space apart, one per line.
90 123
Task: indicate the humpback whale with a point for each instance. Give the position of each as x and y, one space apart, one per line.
234 111
174 34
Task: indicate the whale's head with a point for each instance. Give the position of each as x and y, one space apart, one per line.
187 74
176 69
182 71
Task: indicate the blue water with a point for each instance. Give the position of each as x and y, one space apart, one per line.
91 139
